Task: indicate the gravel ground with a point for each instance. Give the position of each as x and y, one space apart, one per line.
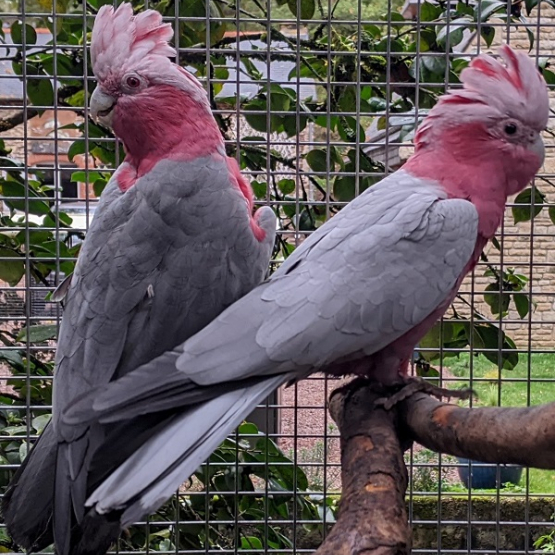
317 445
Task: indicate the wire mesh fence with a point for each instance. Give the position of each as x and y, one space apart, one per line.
317 100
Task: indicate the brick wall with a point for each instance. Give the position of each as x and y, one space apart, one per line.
530 247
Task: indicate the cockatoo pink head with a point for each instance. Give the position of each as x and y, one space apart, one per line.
150 102
483 142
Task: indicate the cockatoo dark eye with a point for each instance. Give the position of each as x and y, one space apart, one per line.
133 82
511 128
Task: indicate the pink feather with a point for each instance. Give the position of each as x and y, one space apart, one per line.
123 42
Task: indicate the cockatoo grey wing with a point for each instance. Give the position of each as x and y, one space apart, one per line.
376 270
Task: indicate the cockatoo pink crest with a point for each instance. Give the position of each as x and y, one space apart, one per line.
158 110
126 43
493 90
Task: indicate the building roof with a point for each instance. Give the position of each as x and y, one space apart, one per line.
279 71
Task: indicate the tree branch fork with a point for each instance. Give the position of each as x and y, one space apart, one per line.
372 517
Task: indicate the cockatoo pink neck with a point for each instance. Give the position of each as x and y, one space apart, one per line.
162 123
166 124
471 165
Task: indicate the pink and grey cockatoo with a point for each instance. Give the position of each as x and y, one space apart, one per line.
355 297
174 241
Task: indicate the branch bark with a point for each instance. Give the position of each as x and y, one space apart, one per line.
372 517
16 119
524 436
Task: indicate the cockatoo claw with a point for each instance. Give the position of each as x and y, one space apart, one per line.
411 385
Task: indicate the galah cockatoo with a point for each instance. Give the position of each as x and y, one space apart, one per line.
355 297
174 241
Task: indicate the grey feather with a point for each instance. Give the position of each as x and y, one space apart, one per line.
177 247
355 286
157 469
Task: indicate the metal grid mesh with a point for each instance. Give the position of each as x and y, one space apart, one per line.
323 111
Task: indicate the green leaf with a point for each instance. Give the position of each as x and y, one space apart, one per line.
549 76
99 185
38 334
429 11
306 221
522 304
251 542
251 69
497 301
16 193
248 428
23 450
259 189
551 212
523 211
40 92
40 422
441 334
259 121
317 160
11 271
17 33
348 99
530 5
488 336
13 358
454 31
486 8
77 147
286 186
434 65
488 34
531 38
308 7
344 188
82 176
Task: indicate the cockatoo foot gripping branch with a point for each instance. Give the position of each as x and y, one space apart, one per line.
409 385
356 296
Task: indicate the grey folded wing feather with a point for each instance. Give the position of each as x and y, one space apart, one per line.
377 269
176 247
149 477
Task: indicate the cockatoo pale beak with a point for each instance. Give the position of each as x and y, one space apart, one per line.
101 107
538 148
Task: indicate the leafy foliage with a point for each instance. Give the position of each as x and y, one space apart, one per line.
546 543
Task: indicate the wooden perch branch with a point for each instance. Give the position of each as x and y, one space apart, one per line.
524 436
372 517
16 119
